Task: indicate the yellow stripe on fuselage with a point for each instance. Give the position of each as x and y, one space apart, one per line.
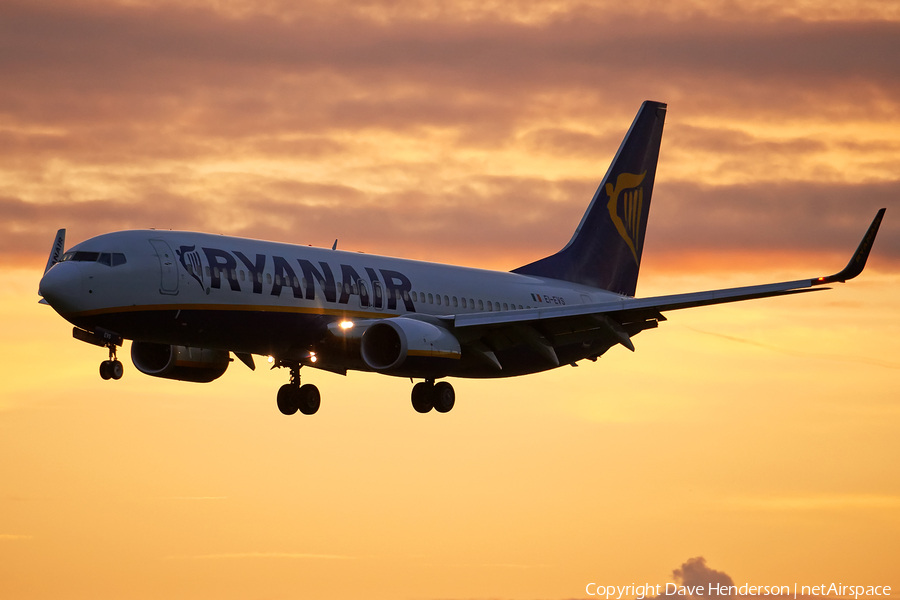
237 308
433 353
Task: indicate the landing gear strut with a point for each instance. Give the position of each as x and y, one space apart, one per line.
428 394
112 368
293 396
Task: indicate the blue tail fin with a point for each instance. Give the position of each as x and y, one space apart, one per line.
605 251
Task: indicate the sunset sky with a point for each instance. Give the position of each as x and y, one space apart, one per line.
763 436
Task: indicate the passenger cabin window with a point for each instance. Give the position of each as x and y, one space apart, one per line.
446 300
268 276
438 298
505 306
481 305
455 302
464 302
430 299
415 297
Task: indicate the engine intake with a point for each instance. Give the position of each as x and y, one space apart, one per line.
409 347
179 362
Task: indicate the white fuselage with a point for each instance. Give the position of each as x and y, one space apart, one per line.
262 297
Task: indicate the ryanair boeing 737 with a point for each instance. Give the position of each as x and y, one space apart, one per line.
189 300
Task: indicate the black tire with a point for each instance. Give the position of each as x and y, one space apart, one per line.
116 370
105 370
421 397
287 399
309 399
444 397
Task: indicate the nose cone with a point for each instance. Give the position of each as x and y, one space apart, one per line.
61 287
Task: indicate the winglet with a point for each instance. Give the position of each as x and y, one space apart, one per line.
858 262
56 252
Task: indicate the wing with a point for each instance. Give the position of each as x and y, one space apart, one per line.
545 329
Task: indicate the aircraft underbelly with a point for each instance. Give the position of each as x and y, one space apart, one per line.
262 333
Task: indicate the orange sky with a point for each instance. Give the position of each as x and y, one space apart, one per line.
761 436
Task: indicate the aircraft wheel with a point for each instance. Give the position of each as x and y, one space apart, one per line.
309 399
116 370
106 369
287 399
444 397
421 397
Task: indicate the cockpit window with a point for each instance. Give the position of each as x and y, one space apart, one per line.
85 256
113 259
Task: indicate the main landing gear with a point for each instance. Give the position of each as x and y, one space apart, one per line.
112 368
293 396
428 394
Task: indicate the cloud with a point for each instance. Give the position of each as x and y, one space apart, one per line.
471 222
188 67
694 572
780 217
472 134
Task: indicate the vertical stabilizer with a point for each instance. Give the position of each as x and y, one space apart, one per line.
605 251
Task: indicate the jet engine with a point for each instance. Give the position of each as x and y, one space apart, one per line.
179 362
409 348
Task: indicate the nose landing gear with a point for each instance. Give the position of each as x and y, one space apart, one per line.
112 368
293 396
109 369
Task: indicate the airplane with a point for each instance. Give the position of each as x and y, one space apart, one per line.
189 300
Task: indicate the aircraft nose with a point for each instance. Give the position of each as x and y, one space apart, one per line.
61 286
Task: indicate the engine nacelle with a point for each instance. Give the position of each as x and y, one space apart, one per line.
179 362
409 348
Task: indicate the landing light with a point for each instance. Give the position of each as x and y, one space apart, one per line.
313 357
345 325
271 359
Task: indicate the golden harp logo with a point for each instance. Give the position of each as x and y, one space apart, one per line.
629 224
